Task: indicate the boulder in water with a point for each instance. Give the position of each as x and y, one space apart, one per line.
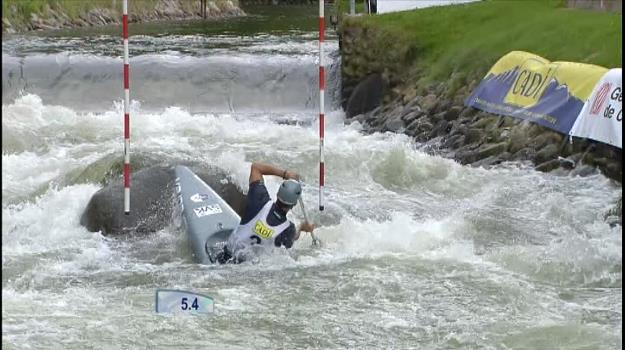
152 201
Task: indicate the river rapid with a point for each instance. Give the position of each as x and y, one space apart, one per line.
418 252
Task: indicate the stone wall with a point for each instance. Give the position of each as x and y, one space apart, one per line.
55 16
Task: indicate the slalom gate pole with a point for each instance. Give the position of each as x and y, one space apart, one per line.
126 111
321 106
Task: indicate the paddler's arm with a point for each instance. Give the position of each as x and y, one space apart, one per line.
260 169
291 234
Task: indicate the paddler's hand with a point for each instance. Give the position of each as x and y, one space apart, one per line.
306 226
288 174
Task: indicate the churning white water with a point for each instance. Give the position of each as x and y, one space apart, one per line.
419 251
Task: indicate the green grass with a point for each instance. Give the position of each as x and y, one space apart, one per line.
466 40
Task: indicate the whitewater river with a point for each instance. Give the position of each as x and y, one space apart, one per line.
419 252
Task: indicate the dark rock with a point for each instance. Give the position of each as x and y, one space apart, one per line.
393 124
414 102
485 122
435 118
444 105
459 129
419 128
505 156
429 103
488 162
377 120
152 201
508 122
526 153
396 112
535 130
547 138
566 162
465 156
614 170
366 96
473 135
452 113
583 170
425 126
410 114
411 128
467 112
548 165
411 117
518 138
601 162
372 118
361 118
492 150
453 141
439 129
548 152
493 135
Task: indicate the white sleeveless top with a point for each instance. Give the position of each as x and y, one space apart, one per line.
256 231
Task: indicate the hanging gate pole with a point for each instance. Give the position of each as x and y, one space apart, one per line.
321 106
126 112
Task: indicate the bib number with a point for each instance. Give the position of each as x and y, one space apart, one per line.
262 231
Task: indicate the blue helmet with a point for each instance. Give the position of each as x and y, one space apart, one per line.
289 192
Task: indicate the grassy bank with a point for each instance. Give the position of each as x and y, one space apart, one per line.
464 41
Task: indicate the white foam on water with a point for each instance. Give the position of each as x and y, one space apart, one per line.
49 224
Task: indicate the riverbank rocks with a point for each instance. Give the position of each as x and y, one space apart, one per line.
468 135
435 115
437 112
482 139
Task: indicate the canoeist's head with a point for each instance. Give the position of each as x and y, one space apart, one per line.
288 194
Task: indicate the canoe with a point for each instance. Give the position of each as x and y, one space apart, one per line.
207 219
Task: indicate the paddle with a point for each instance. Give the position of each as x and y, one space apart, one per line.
315 241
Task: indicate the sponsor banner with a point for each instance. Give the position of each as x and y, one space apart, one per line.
602 115
527 86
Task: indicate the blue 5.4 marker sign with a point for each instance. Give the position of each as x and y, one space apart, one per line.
180 301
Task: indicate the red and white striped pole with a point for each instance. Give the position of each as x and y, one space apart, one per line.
321 105
126 112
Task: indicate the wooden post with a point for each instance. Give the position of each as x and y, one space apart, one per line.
203 8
